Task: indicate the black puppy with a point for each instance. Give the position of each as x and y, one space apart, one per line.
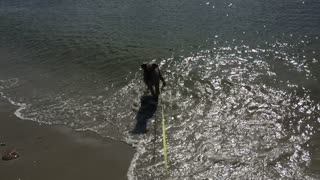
152 77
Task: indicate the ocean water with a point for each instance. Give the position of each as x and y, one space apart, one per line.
243 94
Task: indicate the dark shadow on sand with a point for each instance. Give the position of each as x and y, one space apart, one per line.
148 106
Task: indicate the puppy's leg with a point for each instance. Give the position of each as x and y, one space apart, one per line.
151 89
156 85
157 88
162 79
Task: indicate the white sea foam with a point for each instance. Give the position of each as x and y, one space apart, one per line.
5 84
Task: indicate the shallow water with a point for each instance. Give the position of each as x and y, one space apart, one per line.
242 100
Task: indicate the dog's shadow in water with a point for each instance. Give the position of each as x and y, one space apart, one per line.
148 106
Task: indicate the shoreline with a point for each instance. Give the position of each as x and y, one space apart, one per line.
58 152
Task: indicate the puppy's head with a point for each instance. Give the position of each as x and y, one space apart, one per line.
149 66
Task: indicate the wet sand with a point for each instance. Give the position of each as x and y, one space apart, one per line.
56 152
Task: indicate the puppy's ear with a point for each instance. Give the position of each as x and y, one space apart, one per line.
154 65
144 66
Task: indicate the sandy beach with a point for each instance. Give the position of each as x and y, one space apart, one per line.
57 152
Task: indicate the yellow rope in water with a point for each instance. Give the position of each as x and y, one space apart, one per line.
164 142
